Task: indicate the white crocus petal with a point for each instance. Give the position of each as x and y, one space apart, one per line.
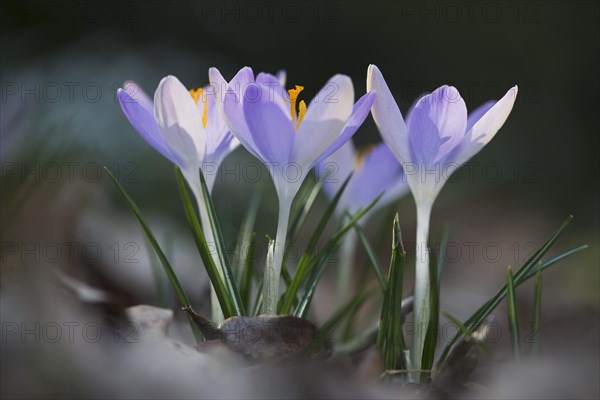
180 122
486 128
281 77
325 118
218 88
216 128
387 115
218 85
334 101
229 100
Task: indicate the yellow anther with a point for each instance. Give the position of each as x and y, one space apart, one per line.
197 95
301 112
293 97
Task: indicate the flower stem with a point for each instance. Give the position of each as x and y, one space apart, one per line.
422 287
273 271
217 313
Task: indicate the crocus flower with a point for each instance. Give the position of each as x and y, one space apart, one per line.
375 171
437 137
185 127
289 137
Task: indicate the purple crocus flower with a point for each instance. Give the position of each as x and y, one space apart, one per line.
437 137
289 137
375 170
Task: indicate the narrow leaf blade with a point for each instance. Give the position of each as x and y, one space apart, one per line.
513 320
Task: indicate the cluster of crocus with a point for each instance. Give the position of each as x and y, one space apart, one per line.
192 128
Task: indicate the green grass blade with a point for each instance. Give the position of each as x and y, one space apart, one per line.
163 291
308 261
302 205
326 331
524 273
311 285
245 250
207 259
537 310
227 271
248 272
179 292
259 293
554 260
245 236
436 268
258 299
461 328
545 265
513 320
301 309
372 255
390 338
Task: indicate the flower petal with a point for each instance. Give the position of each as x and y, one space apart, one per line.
179 121
486 127
229 104
221 87
281 77
380 172
234 114
387 115
216 128
339 165
137 107
325 118
275 92
360 111
270 126
333 102
479 112
436 125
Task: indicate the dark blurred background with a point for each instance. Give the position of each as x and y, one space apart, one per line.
61 63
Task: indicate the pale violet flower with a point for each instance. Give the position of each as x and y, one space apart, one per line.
374 170
289 137
437 137
185 127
